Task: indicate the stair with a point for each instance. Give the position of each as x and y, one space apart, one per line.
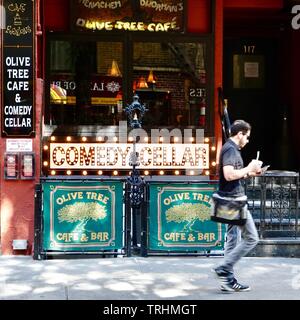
277 247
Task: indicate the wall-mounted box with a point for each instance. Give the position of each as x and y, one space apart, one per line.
11 166
27 166
20 244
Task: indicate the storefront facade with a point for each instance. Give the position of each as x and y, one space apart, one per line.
78 65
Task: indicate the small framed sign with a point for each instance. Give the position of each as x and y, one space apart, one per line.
11 166
248 71
27 166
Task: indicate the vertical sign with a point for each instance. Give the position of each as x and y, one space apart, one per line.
180 218
18 69
82 216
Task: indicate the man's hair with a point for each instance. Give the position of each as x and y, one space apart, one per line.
239 125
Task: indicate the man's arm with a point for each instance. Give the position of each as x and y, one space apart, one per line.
252 169
234 174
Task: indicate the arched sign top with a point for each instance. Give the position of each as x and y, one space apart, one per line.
142 15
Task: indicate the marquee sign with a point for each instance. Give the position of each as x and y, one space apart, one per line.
18 70
94 156
140 15
179 218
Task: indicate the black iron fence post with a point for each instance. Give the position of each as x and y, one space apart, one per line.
135 183
297 207
144 221
127 222
37 247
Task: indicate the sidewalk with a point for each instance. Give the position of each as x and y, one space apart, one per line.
151 278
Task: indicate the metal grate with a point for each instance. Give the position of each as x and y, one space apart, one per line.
273 200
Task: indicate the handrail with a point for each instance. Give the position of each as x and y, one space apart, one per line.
223 113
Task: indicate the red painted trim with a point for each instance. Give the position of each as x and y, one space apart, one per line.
198 12
57 15
218 72
266 4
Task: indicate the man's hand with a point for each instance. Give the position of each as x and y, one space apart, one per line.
255 166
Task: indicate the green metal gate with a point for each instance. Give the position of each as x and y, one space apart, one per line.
81 217
178 219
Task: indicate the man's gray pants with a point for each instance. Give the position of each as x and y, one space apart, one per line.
236 248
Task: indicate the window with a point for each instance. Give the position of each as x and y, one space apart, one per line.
85 83
91 81
171 79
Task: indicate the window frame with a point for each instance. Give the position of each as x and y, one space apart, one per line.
127 40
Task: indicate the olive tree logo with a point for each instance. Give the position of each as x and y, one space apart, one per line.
82 212
188 213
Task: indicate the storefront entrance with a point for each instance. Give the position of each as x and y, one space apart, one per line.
254 91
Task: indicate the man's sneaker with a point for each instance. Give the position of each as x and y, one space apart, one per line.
221 273
231 285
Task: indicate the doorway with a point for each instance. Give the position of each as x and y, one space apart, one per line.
251 85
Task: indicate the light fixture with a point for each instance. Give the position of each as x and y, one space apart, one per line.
142 84
151 78
114 70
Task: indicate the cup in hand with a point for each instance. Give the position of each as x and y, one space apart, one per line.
255 165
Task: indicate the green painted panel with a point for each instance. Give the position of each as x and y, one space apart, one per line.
82 216
179 218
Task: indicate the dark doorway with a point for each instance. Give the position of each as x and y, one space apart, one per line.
251 85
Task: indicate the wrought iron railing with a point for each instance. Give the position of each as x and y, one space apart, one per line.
273 200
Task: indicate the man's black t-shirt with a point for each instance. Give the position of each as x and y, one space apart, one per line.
230 156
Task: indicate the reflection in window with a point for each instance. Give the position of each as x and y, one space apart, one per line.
171 79
85 83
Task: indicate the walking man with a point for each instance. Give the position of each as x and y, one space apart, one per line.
232 171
